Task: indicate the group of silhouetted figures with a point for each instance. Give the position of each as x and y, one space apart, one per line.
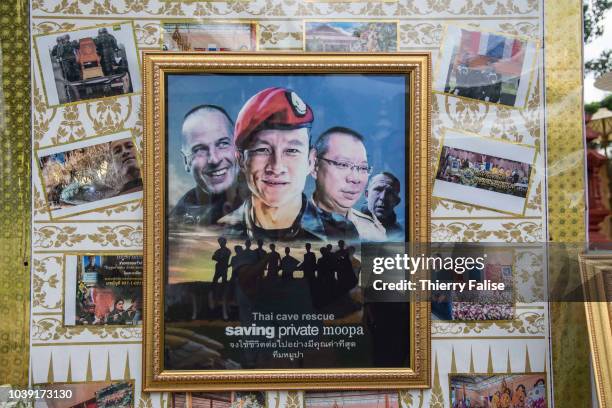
330 275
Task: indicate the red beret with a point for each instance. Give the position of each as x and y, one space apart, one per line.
272 108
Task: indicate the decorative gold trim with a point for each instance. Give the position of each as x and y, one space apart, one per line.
16 209
156 65
596 274
566 204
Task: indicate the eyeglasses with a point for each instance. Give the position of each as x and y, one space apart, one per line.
362 169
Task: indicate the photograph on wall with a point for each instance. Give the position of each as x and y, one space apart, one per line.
102 289
486 66
248 399
210 36
88 63
274 181
498 390
351 399
90 174
97 394
479 305
484 172
202 400
350 36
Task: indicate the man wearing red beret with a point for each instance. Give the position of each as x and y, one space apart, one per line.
272 136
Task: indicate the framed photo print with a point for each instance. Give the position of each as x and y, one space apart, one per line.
91 174
88 63
194 35
484 172
487 66
265 175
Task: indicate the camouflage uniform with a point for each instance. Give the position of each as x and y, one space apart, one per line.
106 45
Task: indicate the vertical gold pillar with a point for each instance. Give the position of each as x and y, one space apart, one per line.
14 192
566 195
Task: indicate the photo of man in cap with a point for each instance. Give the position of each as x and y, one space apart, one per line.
383 195
272 136
210 157
341 173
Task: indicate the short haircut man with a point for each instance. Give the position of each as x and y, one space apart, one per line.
210 157
383 195
123 153
272 135
341 173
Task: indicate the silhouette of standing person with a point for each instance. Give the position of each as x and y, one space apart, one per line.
259 251
342 252
273 262
309 265
325 277
221 257
288 264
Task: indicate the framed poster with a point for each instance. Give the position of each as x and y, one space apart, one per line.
265 175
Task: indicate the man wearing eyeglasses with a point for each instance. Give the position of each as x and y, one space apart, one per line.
210 156
341 173
272 136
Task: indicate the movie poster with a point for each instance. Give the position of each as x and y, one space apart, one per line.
104 290
274 182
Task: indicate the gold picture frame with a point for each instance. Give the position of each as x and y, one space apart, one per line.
415 70
596 275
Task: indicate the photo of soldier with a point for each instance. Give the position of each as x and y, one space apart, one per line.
106 46
88 63
210 157
341 172
272 135
383 195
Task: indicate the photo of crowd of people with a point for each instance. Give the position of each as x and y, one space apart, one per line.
90 174
197 36
351 36
486 66
498 391
89 63
481 305
108 290
484 171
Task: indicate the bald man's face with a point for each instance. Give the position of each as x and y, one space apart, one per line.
382 195
210 151
124 159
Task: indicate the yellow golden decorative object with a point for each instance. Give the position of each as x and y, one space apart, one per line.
596 274
566 189
15 192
